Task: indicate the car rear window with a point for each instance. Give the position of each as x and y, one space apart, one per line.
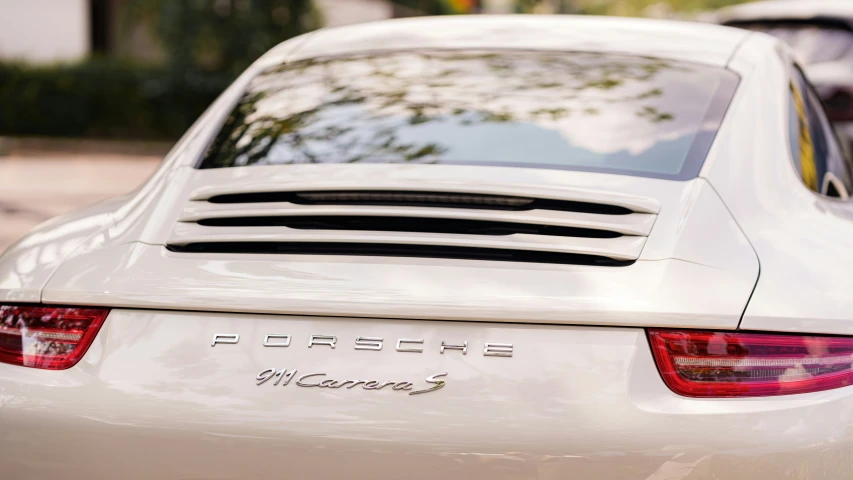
578 111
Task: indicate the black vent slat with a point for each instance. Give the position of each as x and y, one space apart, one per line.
421 199
392 250
426 224
418 198
403 224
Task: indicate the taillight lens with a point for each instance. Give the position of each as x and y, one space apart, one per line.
47 337
731 364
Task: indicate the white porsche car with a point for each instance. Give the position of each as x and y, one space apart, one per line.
490 247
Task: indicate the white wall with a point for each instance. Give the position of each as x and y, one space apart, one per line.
346 12
42 31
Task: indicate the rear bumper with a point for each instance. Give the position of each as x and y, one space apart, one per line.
153 399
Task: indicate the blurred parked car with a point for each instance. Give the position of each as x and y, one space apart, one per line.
821 34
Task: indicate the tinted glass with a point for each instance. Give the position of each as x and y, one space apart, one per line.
581 111
818 157
813 43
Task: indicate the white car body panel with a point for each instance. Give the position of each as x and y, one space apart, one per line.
707 44
572 402
803 240
580 398
27 265
694 248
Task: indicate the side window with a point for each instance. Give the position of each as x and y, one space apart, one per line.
817 154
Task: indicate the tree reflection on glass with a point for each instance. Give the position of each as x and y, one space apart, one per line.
508 107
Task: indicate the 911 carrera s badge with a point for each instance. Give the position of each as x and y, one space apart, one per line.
310 380
315 379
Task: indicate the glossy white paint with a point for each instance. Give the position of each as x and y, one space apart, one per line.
639 224
26 266
695 268
627 247
620 248
701 43
660 293
552 184
572 402
803 241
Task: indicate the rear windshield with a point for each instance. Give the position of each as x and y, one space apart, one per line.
577 111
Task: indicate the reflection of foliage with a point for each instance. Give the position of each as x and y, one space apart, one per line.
653 115
356 108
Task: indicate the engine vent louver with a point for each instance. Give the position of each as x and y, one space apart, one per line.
456 225
420 199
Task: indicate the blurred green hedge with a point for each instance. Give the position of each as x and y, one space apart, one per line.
207 44
103 98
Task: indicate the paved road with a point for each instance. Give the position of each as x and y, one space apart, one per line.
33 189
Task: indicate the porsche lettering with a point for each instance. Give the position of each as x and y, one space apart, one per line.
412 345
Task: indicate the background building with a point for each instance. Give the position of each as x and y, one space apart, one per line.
45 30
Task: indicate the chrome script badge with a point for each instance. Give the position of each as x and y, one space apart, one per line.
315 379
310 380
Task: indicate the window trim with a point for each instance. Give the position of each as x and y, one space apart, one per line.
794 69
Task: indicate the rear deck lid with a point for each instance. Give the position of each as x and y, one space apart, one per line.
428 241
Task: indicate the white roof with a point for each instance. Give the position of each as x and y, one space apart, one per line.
788 10
694 42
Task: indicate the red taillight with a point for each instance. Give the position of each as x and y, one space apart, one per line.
47 337
731 364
